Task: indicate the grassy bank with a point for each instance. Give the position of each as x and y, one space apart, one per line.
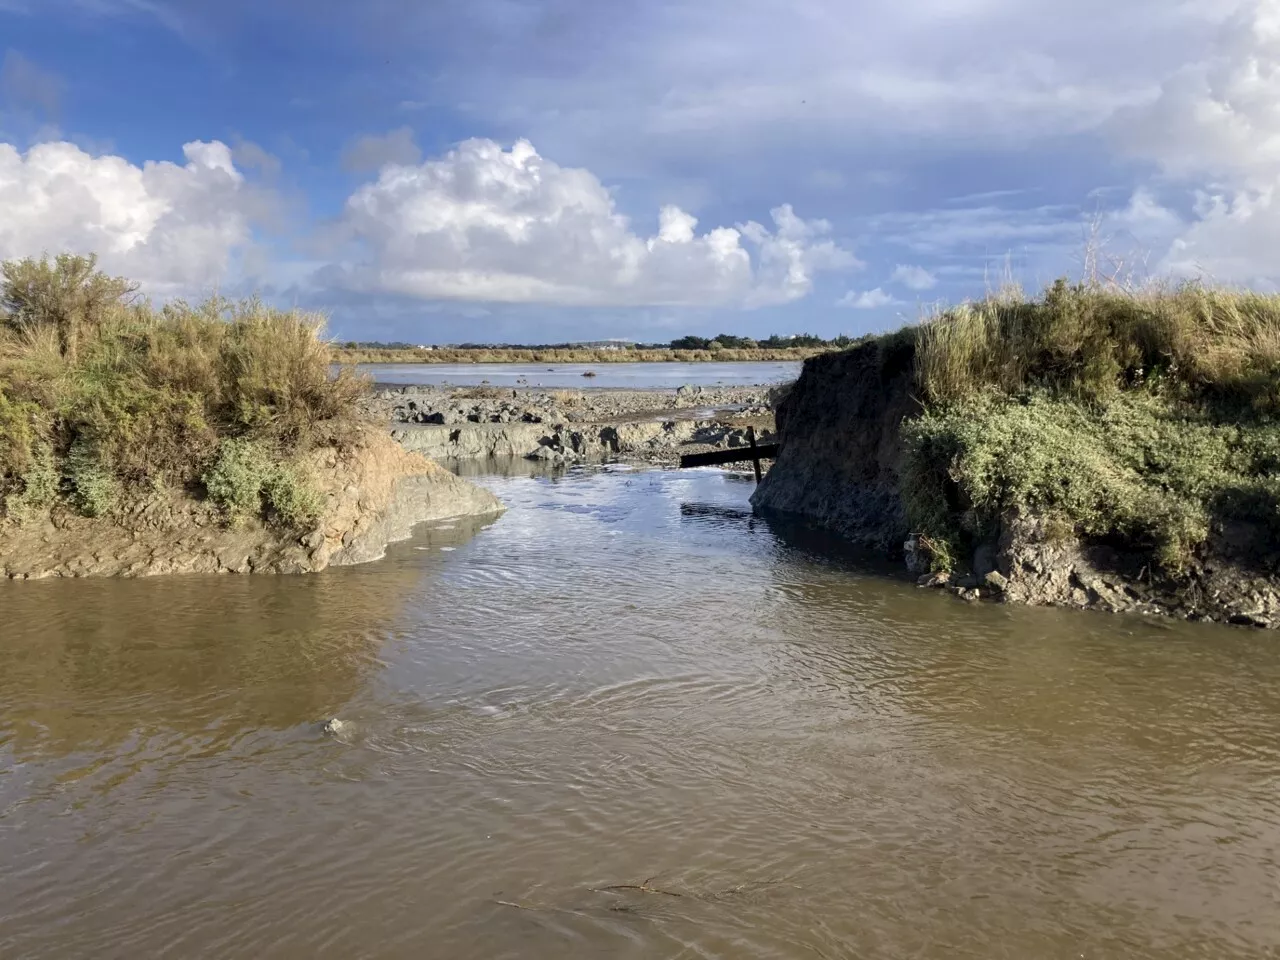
1147 419
106 401
555 356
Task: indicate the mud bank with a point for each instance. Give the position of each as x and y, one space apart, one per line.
561 426
374 494
843 465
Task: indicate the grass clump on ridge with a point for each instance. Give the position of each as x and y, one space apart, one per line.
1141 418
104 397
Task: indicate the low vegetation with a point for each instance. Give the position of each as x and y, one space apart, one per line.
1143 418
105 399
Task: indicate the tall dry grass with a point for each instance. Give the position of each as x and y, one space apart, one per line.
1092 341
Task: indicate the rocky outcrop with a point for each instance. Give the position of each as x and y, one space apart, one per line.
374 493
839 465
657 441
466 406
564 426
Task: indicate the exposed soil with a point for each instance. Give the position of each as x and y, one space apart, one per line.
374 494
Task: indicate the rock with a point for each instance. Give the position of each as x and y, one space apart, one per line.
917 558
335 727
996 580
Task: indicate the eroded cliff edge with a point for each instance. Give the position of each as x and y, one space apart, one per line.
846 462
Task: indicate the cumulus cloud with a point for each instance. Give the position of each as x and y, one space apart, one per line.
374 152
916 278
508 225
868 300
1219 117
176 228
1213 131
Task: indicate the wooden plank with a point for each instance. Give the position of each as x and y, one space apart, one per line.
755 451
763 451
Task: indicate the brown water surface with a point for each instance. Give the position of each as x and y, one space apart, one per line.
626 678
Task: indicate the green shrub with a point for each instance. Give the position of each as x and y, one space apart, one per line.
293 501
94 490
238 477
36 488
1145 469
18 437
247 480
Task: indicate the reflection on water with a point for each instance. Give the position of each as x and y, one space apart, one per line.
626 678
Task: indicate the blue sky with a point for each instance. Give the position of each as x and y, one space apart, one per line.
535 170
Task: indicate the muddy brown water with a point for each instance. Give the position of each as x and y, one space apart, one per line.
626 678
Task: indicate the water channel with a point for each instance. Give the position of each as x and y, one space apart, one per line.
627 719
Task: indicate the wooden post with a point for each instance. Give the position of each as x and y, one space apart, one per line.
755 451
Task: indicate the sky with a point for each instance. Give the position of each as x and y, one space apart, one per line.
549 170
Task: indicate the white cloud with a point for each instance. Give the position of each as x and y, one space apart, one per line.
176 229
484 223
374 152
868 300
1214 130
1220 116
247 154
916 278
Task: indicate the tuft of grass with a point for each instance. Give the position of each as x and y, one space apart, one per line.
478 393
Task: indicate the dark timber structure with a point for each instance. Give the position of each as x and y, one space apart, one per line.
755 453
